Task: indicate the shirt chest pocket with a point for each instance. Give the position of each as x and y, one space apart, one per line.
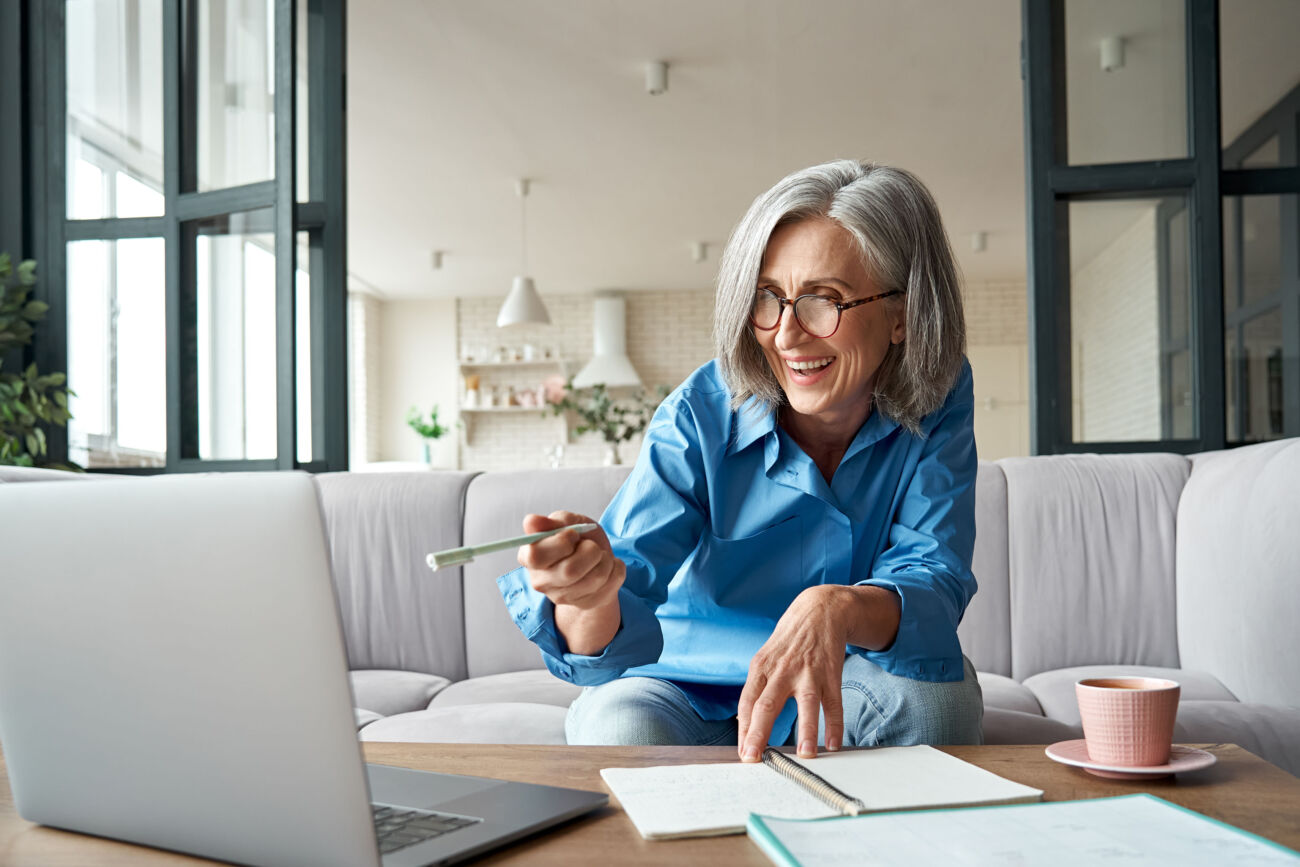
760 574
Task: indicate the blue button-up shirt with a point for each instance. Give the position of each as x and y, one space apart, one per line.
724 520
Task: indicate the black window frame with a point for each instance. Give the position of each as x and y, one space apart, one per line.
43 231
1052 184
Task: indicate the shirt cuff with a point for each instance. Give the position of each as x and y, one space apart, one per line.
638 641
926 646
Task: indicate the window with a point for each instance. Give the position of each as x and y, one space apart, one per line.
204 311
1165 305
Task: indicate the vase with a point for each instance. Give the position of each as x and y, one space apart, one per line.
611 455
428 458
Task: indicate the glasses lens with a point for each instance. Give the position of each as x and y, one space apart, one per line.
767 309
817 315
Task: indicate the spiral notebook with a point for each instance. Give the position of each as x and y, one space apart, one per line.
671 801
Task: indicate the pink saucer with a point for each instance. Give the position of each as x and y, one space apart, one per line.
1181 759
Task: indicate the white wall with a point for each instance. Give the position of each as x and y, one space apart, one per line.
417 367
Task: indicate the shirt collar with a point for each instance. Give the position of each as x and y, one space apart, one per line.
752 421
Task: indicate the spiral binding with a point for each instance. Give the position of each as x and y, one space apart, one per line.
815 785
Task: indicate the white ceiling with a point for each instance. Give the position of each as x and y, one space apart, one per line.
450 100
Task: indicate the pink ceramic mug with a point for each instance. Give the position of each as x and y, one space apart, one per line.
1128 721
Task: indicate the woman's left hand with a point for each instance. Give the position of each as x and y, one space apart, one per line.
804 658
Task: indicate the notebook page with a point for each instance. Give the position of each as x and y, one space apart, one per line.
705 800
900 778
1131 829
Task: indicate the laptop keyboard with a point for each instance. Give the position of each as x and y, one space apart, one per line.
399 827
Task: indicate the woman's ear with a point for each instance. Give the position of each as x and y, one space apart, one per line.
899 331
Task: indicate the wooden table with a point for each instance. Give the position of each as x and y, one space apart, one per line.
1240 789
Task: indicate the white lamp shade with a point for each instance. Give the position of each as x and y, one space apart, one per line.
609 364
523 306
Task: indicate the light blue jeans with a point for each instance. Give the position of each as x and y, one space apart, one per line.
880 709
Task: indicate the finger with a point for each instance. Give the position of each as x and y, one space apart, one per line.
546 553
833 709
558 570
597 535
534 523
761 718
581 583
744 708
810 705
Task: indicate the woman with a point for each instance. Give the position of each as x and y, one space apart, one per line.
794 542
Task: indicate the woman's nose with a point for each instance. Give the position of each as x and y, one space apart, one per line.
788 332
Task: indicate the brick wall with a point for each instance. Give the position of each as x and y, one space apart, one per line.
1115 338
668 336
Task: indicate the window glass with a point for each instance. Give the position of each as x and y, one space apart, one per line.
302 347
117 358
236 93
234 335
1259 68
114 107
1125 80
1130 340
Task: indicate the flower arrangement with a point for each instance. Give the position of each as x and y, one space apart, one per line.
430 429
617 420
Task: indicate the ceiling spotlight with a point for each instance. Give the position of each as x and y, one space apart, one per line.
1112 53
699 251
656 77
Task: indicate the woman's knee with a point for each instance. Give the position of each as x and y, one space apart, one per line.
885 709
632 711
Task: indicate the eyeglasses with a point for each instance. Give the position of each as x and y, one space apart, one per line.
817 315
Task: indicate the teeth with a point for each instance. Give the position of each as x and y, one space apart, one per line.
808 365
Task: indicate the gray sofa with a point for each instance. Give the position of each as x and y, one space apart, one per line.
1153 563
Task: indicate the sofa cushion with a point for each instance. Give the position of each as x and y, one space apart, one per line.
1091 557
985 630
388 692
1005 693
1270 732
495 505
1238 550
536 686
1055 689
1003 726
365 717
396 613
501 723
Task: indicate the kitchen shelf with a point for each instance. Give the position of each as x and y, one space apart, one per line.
507 365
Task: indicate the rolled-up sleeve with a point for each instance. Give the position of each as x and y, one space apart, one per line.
653 524
931 542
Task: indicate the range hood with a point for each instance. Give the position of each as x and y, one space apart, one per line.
609 365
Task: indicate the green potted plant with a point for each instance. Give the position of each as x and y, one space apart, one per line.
429 429
617 420
28 400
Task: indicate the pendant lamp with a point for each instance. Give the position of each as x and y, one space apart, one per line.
523 306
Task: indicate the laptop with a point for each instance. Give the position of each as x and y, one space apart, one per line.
172 673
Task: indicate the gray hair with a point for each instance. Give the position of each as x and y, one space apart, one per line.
895 222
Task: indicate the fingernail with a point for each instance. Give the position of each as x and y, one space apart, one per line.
749 754
832 746
807 749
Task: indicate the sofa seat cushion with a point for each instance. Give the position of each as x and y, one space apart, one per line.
387 692
1017 727
536 686
1055 689
497 723
1271 732
365 717
1005 693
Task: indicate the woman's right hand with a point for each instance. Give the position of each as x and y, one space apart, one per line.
570 568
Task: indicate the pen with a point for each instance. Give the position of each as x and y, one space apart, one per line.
461 556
